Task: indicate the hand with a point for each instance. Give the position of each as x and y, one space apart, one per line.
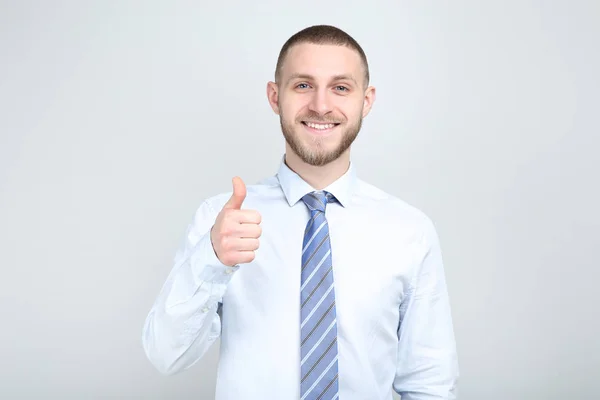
235 234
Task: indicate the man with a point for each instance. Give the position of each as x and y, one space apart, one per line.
320 285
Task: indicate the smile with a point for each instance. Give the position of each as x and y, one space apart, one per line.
319 127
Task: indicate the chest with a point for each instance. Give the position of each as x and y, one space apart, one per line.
372 268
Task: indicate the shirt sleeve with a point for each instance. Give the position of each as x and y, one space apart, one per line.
184 320
427 367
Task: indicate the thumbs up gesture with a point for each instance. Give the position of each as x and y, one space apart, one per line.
235 234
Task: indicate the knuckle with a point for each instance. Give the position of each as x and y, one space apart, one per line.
227 215
223 257
225 243
226 230
228 260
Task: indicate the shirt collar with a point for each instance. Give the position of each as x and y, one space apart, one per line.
294 187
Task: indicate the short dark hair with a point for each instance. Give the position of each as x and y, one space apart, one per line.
321 35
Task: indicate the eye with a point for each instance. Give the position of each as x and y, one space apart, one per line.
341 88
302 86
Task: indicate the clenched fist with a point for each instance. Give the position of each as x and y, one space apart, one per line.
235 234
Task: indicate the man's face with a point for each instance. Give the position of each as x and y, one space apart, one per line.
321 100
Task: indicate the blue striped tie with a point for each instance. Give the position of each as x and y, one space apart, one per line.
318 329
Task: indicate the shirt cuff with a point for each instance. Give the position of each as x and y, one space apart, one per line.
206 266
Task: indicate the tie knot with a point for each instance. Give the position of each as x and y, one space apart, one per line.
318 200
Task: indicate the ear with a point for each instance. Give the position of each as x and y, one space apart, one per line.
369 100
273 96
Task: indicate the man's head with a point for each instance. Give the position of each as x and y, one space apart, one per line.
321 93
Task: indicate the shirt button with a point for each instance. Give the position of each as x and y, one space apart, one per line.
229 271
205 309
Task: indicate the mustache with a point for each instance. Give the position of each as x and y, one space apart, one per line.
314 117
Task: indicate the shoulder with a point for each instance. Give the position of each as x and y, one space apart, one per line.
392 210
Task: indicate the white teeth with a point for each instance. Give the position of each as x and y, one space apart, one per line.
320 126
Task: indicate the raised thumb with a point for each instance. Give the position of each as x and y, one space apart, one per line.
239 194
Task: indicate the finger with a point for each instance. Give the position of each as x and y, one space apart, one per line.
252 231
244 257
243 244
247 217
238 195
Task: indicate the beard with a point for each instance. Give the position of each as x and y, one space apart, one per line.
316 153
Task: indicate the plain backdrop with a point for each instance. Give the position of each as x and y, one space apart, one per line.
118 117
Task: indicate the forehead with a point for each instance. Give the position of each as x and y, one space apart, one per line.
321 61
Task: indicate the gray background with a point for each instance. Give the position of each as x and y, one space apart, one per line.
118 118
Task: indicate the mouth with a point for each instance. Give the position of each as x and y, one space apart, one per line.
319 128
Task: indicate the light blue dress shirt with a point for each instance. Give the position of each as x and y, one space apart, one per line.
393 314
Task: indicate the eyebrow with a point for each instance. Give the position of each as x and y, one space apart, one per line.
310 77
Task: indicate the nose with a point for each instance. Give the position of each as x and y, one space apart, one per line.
321 102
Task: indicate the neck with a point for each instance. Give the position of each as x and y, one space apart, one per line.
319 177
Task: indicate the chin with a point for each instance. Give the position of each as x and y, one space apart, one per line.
319 148
317 155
